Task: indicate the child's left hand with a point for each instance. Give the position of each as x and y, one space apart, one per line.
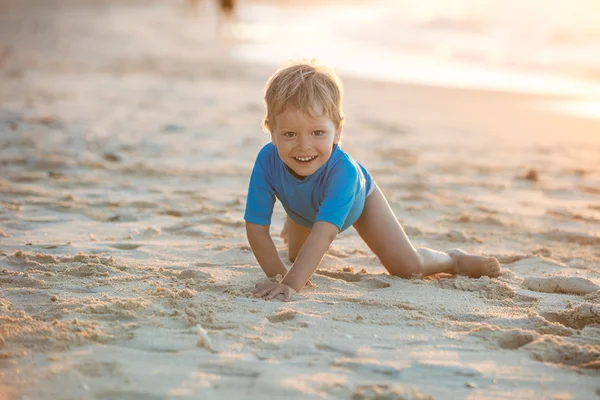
268 290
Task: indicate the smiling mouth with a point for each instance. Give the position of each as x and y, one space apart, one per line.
304 159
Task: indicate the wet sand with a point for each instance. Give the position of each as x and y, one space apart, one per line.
127 136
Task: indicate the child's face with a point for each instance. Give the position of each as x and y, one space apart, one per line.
304 143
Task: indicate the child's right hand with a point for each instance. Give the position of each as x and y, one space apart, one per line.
271 290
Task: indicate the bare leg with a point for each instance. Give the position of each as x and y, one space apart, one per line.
384 235
296 236
284 231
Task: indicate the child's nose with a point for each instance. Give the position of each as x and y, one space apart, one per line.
304 142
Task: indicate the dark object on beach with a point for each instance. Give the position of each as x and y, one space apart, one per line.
532 175
112 157
227 6
225 18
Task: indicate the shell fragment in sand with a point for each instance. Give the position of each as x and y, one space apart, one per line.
203 339
561 284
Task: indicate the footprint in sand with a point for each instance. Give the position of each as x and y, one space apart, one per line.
124 246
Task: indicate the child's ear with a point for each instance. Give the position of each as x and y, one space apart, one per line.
269 130
338 135
338 132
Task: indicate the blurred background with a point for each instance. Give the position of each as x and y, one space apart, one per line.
533 46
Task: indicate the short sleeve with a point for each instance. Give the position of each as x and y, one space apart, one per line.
339 195
261 195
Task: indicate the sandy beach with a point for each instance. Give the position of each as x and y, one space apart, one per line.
127 137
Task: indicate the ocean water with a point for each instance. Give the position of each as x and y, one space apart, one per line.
532 46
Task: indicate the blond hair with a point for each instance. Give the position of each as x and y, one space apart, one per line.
304 86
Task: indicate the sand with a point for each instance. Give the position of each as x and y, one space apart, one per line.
127 136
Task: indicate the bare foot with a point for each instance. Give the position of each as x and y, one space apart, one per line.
284 232
474 266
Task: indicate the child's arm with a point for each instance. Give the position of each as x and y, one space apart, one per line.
264 249
310 256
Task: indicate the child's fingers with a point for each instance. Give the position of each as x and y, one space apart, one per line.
262 292
271 290
274 292
258 289
262 286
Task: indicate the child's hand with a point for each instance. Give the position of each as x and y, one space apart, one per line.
268 290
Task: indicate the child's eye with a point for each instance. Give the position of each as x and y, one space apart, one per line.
289 134
318 133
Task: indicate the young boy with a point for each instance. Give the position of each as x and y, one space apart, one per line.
324 191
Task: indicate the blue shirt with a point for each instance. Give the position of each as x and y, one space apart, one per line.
335 193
